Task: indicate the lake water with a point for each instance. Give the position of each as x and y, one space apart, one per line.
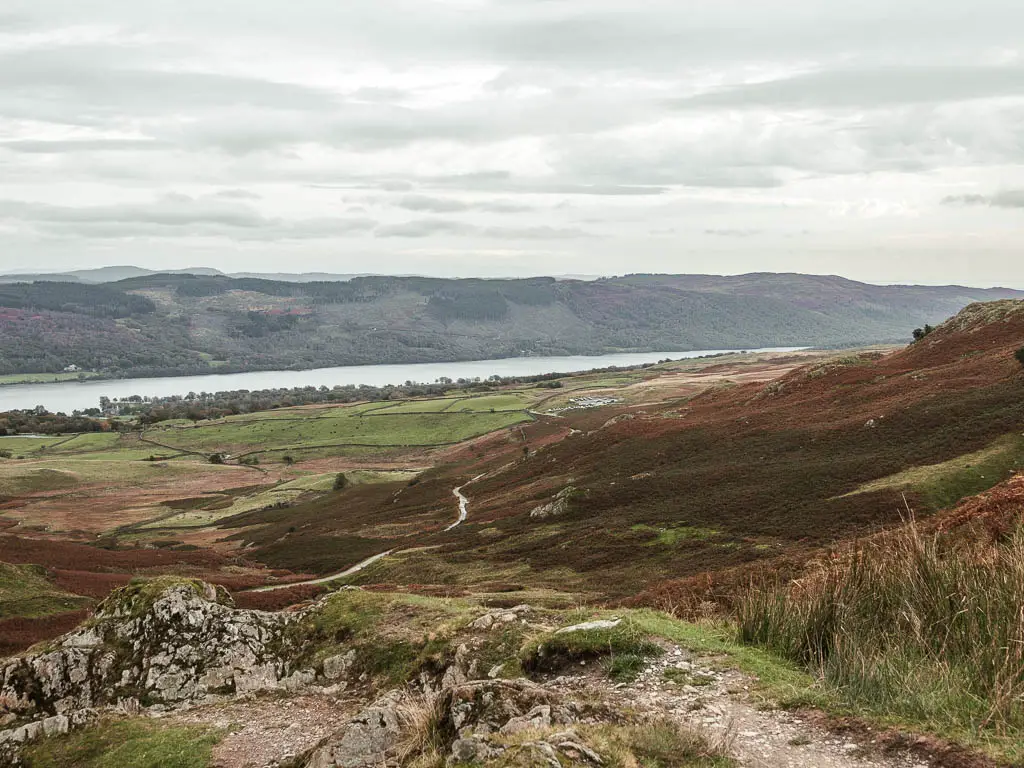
68 396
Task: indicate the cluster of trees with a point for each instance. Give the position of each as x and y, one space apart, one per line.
39 421
198 406
92 300
920 333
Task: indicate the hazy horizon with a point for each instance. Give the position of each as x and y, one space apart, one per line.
485 138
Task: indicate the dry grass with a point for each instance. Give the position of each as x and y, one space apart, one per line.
918 628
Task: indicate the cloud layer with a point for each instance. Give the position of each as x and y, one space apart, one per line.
877 140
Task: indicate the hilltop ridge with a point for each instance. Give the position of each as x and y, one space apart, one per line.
174 324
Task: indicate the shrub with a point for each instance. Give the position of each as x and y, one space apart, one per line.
916 627
340 481
1019 354
5 454
920 333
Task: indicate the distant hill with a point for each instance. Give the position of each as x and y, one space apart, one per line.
99 275
178 323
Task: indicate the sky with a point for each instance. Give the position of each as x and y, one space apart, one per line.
879 140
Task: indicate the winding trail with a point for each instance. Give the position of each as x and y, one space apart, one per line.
463 503
324 579
463 514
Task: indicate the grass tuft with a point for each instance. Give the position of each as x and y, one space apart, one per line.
122 743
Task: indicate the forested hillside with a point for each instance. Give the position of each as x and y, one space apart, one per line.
171 324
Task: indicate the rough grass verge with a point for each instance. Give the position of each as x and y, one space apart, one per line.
915 629
556 650
122 743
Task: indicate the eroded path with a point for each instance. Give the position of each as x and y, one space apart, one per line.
690 690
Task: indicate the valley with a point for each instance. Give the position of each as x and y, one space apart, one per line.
675 495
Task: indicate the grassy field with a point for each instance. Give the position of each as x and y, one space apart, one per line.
340 427
44 378
210 509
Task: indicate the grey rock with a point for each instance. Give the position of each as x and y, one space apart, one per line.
337 667
365 740
557 506
538 717
590 625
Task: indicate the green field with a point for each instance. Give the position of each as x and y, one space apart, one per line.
218 506
341 427
44 378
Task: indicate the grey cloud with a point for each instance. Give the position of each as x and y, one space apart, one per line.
1010 198
432 204
174 216
237 194
427 204
425 228
875 87
64 146
431 227
95 79
732 232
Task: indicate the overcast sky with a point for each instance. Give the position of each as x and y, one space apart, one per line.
882 140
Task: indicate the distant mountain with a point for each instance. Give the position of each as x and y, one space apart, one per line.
299 277
178 323
100 275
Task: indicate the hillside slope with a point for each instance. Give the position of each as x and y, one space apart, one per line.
749 473
173 324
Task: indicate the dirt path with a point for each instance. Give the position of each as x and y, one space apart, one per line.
463 503
719 703
324 579
463 514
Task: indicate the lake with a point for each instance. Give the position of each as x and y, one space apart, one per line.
68 396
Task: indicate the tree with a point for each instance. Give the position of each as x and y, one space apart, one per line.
1020 355
920 333
340 481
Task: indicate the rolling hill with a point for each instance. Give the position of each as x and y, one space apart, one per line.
172 324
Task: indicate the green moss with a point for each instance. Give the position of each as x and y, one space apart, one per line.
138 596
123 743
394 635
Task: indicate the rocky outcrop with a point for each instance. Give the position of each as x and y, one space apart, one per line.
163 643
558 505
468 719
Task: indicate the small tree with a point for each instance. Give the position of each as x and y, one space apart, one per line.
216 458
1020 355
340 481
920 333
